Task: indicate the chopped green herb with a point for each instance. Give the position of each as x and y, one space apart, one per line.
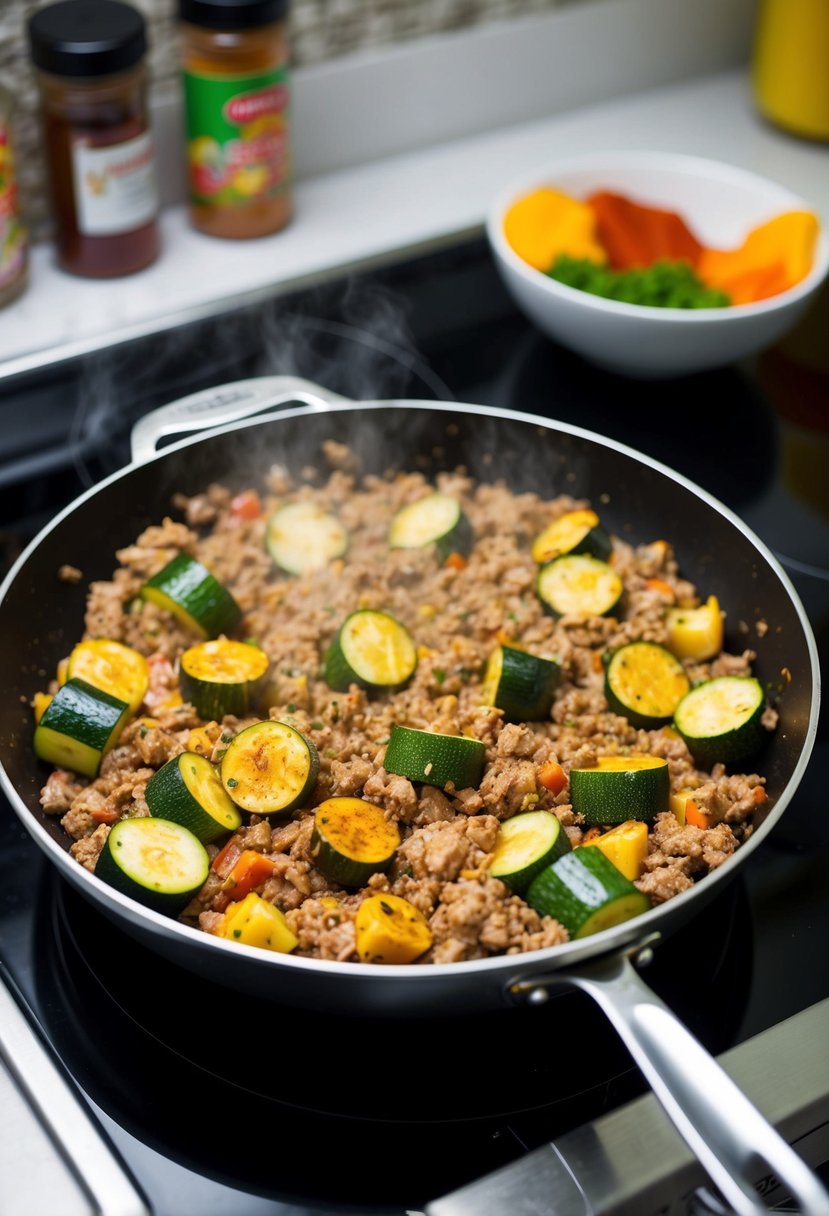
225 736
291 707
317 724
439 674
143 731
232 782
237 932
663 284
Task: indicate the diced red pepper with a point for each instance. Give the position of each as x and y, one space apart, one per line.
104 815
250 871
635 235
246 505
226 858
552 776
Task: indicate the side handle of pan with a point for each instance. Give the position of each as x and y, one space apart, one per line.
725 1131
226 403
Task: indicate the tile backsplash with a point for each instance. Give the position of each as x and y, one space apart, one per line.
320 30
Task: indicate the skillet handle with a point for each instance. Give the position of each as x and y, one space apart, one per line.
226 403
725 1131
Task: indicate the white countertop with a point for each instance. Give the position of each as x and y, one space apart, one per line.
407 202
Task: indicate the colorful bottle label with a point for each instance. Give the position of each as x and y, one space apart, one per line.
115 186
237 136
13 240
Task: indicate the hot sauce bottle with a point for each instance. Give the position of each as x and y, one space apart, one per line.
90 60
236 99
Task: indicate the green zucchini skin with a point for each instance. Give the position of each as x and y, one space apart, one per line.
214 697
526 686
133 861
527 844
585 893
195 597
631 675
435 759
556 578
411 527
342 666
741 704
613 797
189 791
79 726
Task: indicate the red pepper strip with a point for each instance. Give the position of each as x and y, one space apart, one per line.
634 235
103 815
226 858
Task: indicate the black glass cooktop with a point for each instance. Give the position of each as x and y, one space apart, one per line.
223 1106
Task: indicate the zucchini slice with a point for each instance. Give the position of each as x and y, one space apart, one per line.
302 537
436 520
575 532
189 791
194 596
388 929
626 846
79 726
644 683
352 839
526 845
720 719
696 633
112 667
269 768
255 922
521 684
442 760
158 863
371 649
586 893
221 677
618 788
579 585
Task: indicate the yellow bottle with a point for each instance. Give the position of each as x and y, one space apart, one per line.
791 65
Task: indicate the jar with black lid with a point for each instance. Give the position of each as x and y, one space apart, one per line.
93 85
237 111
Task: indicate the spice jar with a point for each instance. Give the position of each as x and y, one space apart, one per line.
90 60
235 69
13 239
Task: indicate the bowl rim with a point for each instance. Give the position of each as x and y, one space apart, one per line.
671 162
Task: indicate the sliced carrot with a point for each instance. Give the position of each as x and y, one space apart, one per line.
759 796
246 505
659 584
552 776
104 815
598 663
250 871
456 561
696 816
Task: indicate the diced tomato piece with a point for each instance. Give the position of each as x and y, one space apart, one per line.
246 505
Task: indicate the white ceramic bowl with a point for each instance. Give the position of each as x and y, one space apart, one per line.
721 204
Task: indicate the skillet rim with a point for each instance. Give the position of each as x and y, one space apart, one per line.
556 958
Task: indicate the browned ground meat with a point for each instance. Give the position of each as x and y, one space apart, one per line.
457 612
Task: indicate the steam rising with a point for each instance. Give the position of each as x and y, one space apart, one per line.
353 338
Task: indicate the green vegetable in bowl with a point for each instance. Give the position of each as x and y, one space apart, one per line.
663 284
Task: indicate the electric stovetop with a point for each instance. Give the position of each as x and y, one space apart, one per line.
234 1113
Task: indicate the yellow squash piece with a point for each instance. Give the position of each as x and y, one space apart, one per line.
626 846
696 633
40 703
390 930
255 922
546 223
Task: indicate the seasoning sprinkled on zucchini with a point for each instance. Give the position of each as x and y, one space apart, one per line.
618 788
575 532
644 683
521 684
436 520
158 863
189 791
579 585
720 720
389 929
435 759
194 596
372 649
79 726
303 537
221 677
527 844
586 893
352 839
269 768
112 667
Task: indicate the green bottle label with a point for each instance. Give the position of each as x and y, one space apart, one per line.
237 136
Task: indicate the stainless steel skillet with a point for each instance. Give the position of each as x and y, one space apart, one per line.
41 616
